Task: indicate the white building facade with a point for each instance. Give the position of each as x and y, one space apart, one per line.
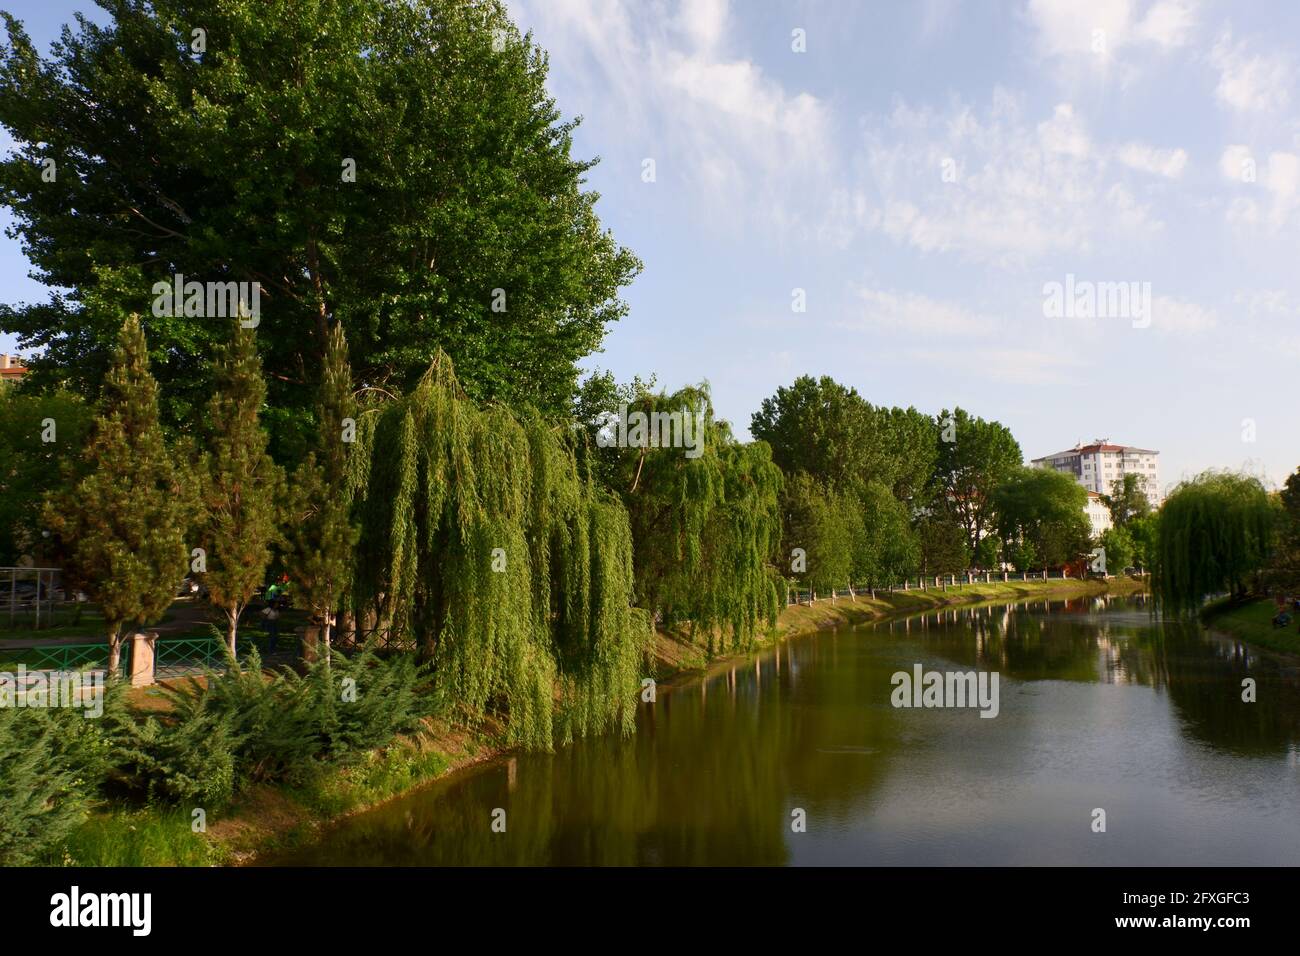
1099 465
1098 514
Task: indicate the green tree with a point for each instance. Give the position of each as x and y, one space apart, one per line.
825 429
119 530
1044 509
1145 533
1216 532
822 533
889 549
322 534
973 457
1286 564
242 486
1127 500
40 434
595 411
1120 549
943 543
397 168
705 521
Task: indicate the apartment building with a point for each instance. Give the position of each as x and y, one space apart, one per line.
11 368
1097 466
1098 514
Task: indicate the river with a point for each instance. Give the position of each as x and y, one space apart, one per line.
1101 707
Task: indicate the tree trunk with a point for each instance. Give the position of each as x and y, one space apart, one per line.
232 628
114 651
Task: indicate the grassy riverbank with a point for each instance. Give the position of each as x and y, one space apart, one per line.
1253 622
270 817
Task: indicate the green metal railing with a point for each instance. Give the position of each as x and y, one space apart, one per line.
65 657
182 656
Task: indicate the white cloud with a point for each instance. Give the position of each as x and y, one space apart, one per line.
710 117
1249 83
1180 317
1169 163
1064 133
911 312
1279 179
1029 367
1097 32
1022 190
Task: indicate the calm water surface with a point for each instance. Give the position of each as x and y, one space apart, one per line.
1101 706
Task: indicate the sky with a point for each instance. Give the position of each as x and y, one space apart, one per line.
896 194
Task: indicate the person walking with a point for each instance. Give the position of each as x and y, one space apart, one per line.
271 621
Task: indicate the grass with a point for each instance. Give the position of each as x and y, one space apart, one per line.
69 620
1253 622
139 837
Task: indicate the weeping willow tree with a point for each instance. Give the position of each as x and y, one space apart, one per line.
490 550
705 516
1215 532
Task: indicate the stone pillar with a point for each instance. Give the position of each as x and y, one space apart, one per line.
142 658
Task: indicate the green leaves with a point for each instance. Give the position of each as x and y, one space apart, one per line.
1040 516
1215 532
228 166
243 489
119 531
484 545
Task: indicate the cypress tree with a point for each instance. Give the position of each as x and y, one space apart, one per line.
242 486
120 529
321 534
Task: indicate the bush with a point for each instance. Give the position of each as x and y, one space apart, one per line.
186 757
53 763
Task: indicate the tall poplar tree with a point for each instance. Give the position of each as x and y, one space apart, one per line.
321 532
119 530
242 486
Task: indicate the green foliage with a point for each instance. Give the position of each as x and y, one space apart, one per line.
486 546
321 531
705 525
242 486
464 183
245 727
597 404
969 468
890 549
942 541
30 466
1145 533
1127 501
1286 562
831 432
1120 549
1044 509
118 531
1216 531
826 527
186 757
52 763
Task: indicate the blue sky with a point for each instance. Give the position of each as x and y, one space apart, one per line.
921 171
